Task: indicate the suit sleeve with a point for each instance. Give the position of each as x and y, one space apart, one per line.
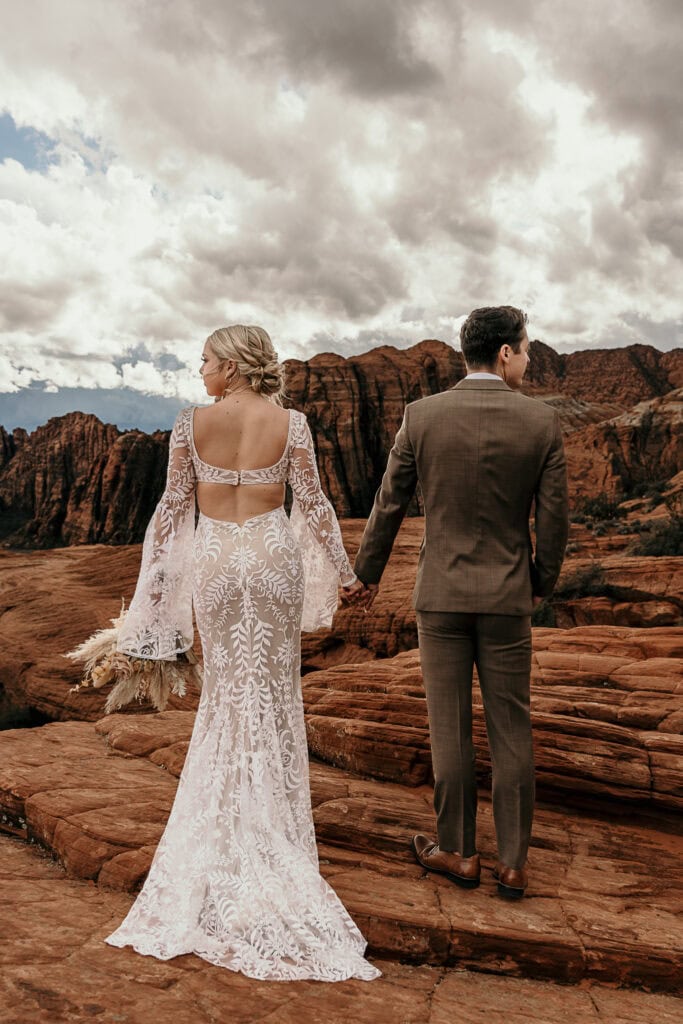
552 516
391 501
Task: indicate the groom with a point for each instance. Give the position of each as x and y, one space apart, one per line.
483 454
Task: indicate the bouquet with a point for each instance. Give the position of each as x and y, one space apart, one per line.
135 678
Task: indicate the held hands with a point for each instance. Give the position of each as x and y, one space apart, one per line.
358 594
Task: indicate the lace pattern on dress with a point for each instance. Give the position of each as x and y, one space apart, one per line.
235 876
158 624
316 530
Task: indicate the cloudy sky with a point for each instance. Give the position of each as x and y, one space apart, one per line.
346 173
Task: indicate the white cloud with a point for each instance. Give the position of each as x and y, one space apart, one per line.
322 168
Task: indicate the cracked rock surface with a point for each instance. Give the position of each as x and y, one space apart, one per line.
602 902
50 601
604 905
56 969
606 703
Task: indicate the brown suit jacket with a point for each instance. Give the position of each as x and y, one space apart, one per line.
482 454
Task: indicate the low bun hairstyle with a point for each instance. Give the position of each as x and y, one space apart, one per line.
251 348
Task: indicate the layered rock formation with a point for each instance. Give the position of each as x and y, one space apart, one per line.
355 406
576 413
607 711
102 817
78 481
622 376
56 969
638 448
51 601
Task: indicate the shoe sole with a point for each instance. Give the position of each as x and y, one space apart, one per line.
464 883
508 892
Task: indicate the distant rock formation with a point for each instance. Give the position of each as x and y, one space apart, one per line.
355 406
79 481
616 375
638 448
76 480
9 443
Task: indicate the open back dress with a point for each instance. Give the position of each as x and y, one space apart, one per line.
235 876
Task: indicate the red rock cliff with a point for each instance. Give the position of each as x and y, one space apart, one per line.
76 480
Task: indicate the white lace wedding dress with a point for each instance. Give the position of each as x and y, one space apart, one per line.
235 877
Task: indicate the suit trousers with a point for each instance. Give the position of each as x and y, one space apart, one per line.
451 643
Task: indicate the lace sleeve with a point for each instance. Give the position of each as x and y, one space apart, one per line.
317 532
158 624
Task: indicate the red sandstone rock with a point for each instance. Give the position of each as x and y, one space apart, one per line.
79 481
642 446
623 376
56 968
637 591
576 413
355 406
606 709
76 480
601 898
51 601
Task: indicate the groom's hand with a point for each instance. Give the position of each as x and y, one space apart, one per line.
352 594
368 596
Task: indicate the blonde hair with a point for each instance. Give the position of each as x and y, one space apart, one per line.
251 348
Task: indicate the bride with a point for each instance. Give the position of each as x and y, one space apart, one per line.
235 876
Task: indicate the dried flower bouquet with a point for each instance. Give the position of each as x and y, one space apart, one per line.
135 678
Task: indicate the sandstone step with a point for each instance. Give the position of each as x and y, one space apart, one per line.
55 968
602 902
607 709
52 600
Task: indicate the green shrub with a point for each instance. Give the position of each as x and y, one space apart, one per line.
586 581
544 615
646 489
600 509
664 538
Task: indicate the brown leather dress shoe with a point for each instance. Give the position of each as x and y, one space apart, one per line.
464 871
511 881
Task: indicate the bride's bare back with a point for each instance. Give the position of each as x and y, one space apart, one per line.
243 431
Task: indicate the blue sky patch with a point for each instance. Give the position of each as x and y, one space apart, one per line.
28 146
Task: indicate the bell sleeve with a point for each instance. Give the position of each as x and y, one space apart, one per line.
158 623
316 530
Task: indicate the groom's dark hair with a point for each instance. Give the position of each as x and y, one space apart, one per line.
487 329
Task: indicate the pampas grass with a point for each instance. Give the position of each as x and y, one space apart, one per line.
135 678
